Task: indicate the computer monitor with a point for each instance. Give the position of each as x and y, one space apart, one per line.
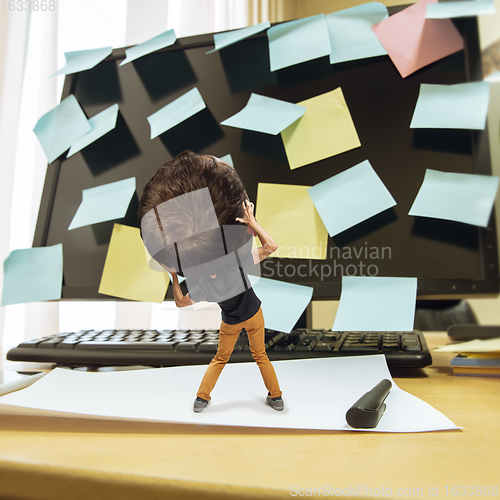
450 259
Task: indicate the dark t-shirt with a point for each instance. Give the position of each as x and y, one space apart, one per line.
232 290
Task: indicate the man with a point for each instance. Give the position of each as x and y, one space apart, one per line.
192 213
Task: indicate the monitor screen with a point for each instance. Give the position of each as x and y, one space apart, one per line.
450 259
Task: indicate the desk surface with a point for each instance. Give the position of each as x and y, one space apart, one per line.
51 458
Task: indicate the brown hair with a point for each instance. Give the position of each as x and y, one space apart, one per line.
183 174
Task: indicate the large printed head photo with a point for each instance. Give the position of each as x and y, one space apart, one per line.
188 215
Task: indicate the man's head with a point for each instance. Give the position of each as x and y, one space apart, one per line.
183 206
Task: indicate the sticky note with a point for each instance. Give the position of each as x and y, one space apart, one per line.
176 112
376 304
265 114
153 44
33 275
288 214
82 60
126 272
460 197
102 203
325 130
348 198
61 127
351 34
227 159
282 303
228 38
412 41
443 10
101 124
464 106
298 41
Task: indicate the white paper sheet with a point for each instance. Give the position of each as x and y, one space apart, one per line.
477 345
317 394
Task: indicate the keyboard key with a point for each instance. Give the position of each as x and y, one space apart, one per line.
410 344
329 336
390 346
307 343
323 346
67 344
48 344
187 346
208 347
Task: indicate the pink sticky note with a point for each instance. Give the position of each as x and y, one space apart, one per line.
412 41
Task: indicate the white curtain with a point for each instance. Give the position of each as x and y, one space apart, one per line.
32 46
29 55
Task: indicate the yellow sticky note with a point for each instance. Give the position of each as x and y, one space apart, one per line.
287 213
126 272
325 130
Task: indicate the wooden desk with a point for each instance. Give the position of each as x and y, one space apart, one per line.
52 458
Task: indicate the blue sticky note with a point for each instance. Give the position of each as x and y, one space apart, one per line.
222 40
265 114
102 203
376 304
298 41
348 198
465 198
176 112
61 127
33 275
351 34
82 60
444 10
282 303
464 106
101 124
143 49
228 159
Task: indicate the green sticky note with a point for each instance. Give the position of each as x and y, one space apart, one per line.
153 44
298 41
82 60
348 198
459 106
265 114
351 34
282 303
61 127
33 275
228 38
101 124
443 10
464 198
376 304
227 159
176 112
102 203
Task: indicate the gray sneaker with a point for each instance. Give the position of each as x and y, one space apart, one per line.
200 404
275 403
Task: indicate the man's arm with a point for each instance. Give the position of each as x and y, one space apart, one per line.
181 300
268 244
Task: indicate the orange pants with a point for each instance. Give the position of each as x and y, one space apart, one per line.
227 339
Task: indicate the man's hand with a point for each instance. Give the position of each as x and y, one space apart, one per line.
248 217
268 244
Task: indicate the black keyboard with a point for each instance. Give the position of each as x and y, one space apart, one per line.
197 347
